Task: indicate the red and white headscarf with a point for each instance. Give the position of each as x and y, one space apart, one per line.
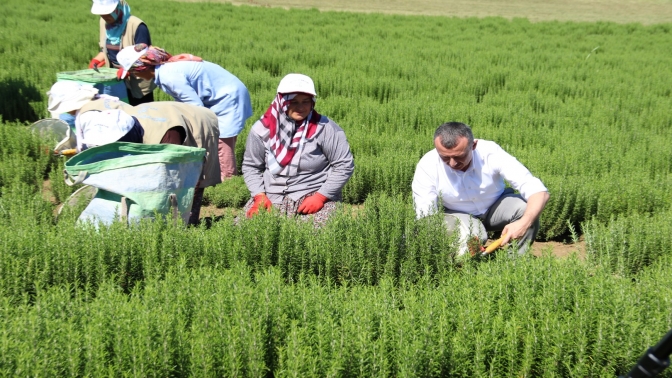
156 56
286 137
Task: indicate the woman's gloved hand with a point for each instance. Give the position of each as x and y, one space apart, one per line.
95 63
120 74
312 204
259 200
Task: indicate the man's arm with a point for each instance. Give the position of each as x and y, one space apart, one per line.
425 193
529 187
142 35
535 204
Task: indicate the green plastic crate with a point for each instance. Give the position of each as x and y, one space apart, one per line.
105 80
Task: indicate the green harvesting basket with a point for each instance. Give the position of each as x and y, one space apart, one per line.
105 80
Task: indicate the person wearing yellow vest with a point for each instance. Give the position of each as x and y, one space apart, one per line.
153 123
118 29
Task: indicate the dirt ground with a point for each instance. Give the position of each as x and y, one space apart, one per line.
621 11
560 250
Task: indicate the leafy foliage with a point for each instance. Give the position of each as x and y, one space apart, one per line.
375 291
211 322
230 193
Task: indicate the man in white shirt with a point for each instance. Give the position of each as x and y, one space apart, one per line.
464 178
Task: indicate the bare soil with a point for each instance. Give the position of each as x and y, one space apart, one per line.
561 250
622 11
47 194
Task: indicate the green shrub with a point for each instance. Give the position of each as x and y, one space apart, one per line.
230 193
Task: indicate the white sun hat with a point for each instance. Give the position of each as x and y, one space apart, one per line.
101 7
293 83
129 55
105 127
66 96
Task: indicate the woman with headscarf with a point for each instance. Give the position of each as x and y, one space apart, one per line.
118 29
156 123
190 79
296 159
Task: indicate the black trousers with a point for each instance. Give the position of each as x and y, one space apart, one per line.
137 101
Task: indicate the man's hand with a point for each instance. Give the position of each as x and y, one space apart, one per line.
312 204
516 230
260 200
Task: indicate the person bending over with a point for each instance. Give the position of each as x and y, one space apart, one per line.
190 79
152 123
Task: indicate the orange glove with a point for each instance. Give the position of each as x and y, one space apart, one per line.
259 200
96 63
120 74
312 204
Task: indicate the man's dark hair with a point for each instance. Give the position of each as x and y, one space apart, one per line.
450 132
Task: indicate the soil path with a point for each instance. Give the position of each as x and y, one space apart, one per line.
622 11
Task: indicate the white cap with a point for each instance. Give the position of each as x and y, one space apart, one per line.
293 83
105 127
129 55
66 96
102 7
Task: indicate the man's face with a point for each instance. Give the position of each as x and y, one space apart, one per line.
458 157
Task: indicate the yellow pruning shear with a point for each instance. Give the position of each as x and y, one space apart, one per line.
494 245
68 152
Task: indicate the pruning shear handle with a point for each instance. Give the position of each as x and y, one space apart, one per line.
68 152
494 245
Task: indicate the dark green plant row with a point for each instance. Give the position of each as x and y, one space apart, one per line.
507 318
383 239
626 244
24 157
574 201
27 161
380 240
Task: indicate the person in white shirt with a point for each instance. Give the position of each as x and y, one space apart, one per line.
464 178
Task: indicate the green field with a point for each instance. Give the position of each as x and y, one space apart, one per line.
584 105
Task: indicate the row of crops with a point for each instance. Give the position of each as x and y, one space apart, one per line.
375 292
510 318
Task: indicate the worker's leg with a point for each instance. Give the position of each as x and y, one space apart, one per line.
227 156
467 226
196 206
507 209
